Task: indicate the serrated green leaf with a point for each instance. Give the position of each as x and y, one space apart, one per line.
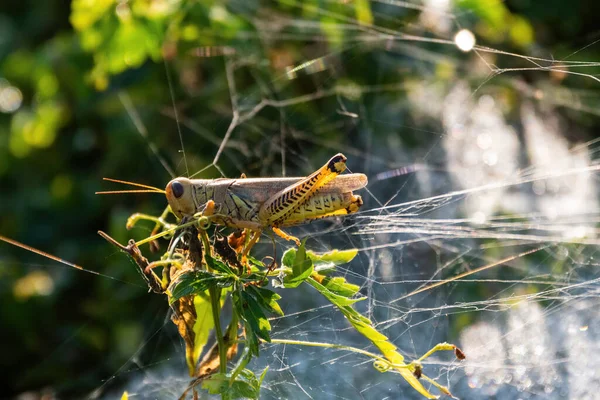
196 282
243 390
324 268
221 266
215 383
255 317
251 324
266 298
336 299
252 340
245 386
327 262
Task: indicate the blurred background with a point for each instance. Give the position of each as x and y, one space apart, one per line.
475 120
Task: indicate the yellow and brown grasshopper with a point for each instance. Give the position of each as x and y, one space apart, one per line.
259 203
247 204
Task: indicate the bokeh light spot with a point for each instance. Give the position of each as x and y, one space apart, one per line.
11 98
123 11
47 85
465 40
36 283
61 187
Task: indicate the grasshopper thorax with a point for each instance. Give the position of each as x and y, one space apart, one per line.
180 197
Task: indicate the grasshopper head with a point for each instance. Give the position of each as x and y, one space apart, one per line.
180 197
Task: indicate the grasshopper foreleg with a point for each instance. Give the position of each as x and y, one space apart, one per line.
250 244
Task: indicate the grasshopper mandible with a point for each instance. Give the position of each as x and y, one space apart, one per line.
259 203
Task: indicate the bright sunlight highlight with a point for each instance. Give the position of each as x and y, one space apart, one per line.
465 40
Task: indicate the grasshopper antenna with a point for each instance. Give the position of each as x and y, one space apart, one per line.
54 258
40 252
146 188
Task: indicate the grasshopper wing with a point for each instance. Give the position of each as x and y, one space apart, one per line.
259 190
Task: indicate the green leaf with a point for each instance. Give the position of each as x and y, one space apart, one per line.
266 298
336 299
339 285
287 260
262 376
291 281
323 262
256 263
196 282
245 386
337 257
241 363
216 383
243 390
220 266
203 325
255 322
365 327
256 317
251 340
300 264
255 279
363 12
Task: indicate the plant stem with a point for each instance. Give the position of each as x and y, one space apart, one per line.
336 346
165 232
441 346
215 301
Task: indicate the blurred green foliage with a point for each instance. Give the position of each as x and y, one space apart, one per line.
67 73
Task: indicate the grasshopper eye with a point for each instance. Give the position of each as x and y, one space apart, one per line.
177 189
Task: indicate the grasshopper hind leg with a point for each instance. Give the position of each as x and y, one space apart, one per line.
285 236
350 206
278 207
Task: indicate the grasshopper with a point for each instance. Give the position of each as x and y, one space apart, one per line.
260 203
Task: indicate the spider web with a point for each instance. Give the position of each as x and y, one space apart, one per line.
478 228
484 235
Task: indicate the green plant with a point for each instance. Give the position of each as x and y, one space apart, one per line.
200 275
